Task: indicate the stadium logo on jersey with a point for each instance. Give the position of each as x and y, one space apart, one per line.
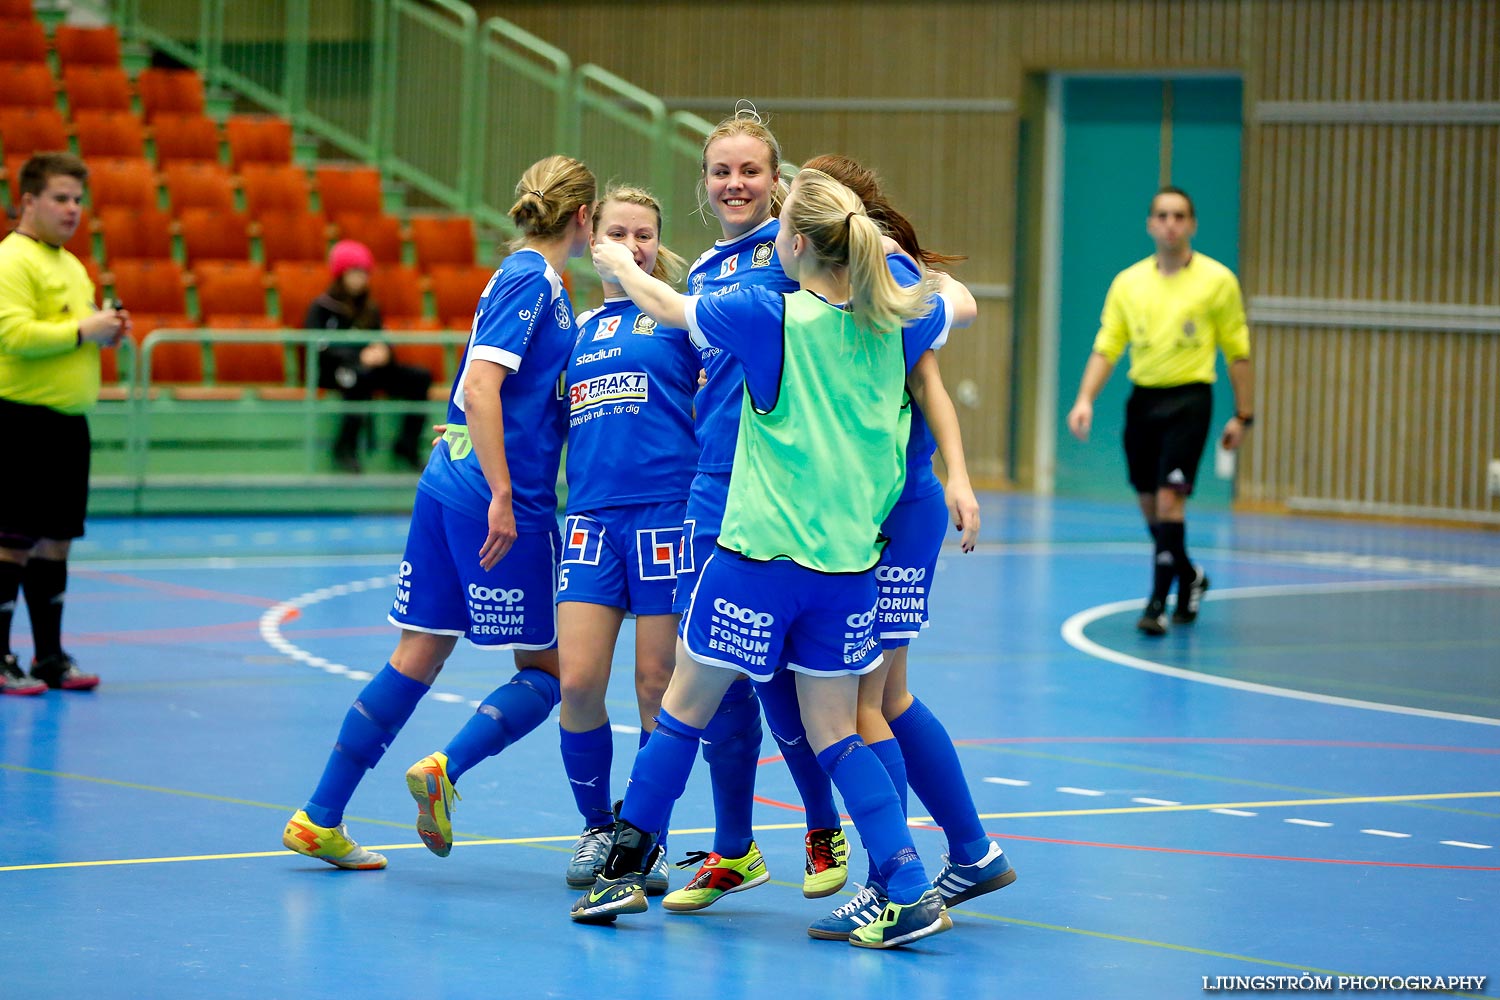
696 283
656 548
606 328
644 325
729 266
583 540
601 390
762 255
563 314
600 355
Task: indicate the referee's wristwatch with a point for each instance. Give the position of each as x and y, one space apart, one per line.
1245 419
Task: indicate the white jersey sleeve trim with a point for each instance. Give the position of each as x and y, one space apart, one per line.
947 324
690 310
499 356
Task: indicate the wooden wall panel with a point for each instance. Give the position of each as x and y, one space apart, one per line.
1363 419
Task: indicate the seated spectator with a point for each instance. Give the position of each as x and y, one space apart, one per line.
361 370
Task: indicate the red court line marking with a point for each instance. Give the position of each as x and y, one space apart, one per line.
188 634
175 590
1221 741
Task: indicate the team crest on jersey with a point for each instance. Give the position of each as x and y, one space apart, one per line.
762 255
606 328
729 266
656 550
644 325
696 283
563 314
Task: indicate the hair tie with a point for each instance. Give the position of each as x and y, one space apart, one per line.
537 193
848 219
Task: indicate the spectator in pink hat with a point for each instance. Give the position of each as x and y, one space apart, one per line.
361 370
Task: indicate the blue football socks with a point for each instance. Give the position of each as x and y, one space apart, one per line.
778 697
936 776
510 712
888 752
660 774
872 802
587 758
374 719
731 745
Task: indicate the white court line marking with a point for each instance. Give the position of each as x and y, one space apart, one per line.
1013 782
1070 790
1072 633
270 631
1386 833
1307 822
1464 843
1233 812
1156 802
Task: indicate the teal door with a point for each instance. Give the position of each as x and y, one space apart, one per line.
1121 140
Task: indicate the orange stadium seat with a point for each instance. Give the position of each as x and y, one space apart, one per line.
24 131
25 39
153 292
349 191
292 236
87 46
456 291
398 290
258 139
232 296
443 239
297 284
170 92
26 84
109 133
96 88
135 234
274 189
122 182
198 185
16 8
381 233
184 137
211 234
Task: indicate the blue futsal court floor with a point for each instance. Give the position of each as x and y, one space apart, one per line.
1305 781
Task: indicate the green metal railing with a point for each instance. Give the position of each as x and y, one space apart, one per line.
450 107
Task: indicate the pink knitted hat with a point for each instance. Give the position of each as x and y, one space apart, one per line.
349 253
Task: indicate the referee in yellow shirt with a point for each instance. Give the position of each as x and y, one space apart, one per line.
1174 310
50 335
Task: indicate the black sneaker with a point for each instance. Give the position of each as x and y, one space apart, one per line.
1154 618
60 672
1187 604
13 679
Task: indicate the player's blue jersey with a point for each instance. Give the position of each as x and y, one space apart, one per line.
751 325
920 446
524 322
630 410
729 265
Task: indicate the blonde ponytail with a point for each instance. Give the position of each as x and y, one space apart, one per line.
547 195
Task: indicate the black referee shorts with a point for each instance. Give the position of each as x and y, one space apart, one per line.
1166 430
46 457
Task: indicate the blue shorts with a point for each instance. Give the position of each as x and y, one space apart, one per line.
915 528
623 557
700 532
757 617
442 590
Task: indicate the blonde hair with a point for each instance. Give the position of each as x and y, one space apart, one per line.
547 195
669 266
745 121
842 235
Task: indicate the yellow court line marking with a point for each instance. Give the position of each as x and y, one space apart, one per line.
1167 945
488 842
1281 803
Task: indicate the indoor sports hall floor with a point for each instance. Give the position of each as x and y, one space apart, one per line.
1307 780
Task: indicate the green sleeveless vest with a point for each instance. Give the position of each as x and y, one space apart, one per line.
815 476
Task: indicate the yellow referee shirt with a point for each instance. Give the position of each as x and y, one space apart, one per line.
44 293
1174 323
